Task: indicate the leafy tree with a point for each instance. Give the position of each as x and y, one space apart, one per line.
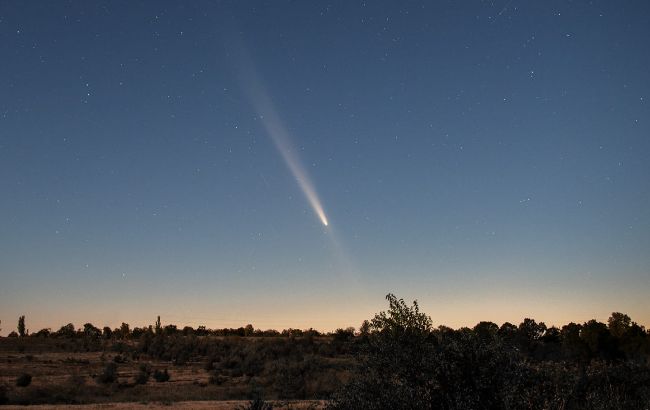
395 363
531 330
599 341
618 323
91 331
125 331
486 330
42 333
364 329
66 331
508 332
343 335
21 326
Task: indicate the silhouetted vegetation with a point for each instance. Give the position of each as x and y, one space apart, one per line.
396 360
24 380
407 364
109 375
21 326
161 376
143 374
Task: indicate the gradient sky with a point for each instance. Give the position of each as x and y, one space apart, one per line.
490 159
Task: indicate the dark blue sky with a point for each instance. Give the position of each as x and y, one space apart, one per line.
490 159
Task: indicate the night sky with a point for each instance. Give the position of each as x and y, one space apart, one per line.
489 159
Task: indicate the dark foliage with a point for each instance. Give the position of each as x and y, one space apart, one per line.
3 395
161 376
24 380
405 364
143 374
396 360
257 404
109 375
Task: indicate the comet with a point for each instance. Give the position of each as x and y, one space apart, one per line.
279 134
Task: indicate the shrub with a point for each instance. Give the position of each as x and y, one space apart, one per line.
217 379
24 380
209 365
161 377
109 375
3 395
76 380
143 375
257 404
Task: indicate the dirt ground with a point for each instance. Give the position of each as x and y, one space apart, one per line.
216 405
60 376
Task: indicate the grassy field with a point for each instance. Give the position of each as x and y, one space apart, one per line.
271 368
215 405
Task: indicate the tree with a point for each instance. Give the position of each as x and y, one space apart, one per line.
21 326
66 331
395 364
91 331
158 326
364 329
169 330
618 323
531 330
125 330
42 333
486 330
599 341
405 364
508 332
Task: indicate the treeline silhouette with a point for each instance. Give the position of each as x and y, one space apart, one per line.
88 330
396 360
618 339
405 363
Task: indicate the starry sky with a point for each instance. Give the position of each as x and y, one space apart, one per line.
490 159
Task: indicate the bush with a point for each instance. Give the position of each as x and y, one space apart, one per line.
3 395
405 364
257 404
143 375
209 365
109 375
119 359
24 380
217 379
161 377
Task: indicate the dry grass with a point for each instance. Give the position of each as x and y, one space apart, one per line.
216 405
63 378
